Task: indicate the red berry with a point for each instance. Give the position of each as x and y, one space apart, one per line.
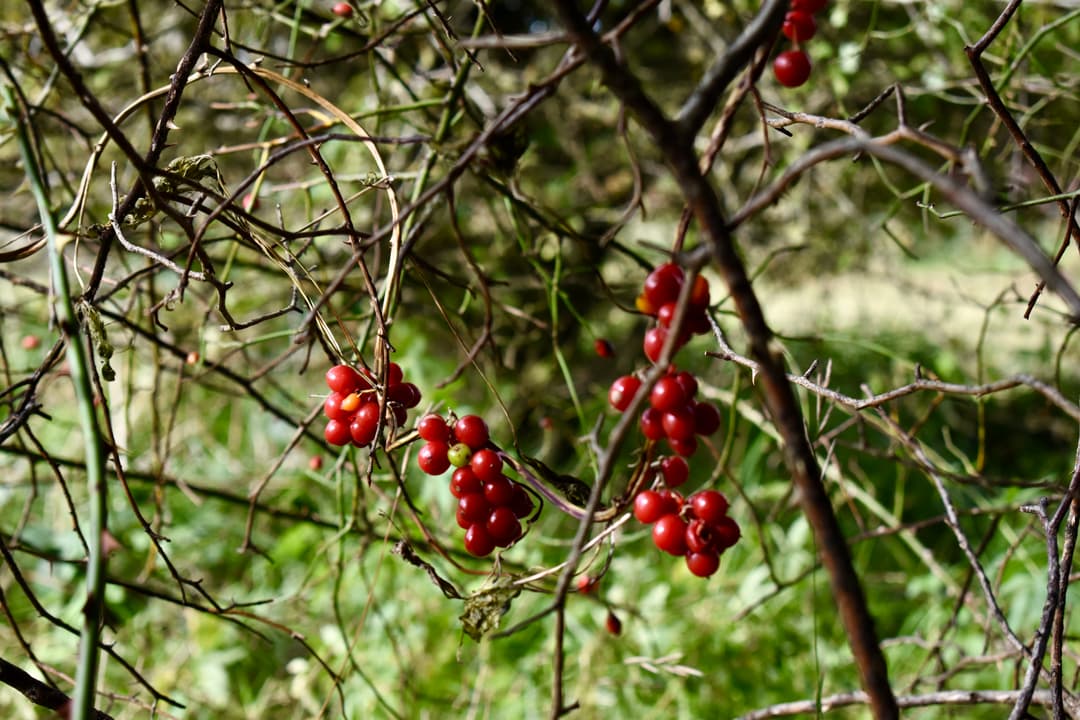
699 293
697 321
315 463
33 342
477 540
679 423
666 314
683 446
337 433
333 410
792 68
650 506
652 423
675 470
405 394
667 394
669 534
622 392
703 564
343 379
700 536
463 522
613 624
604 348
688 382
459 455
474 507
394 375
810 6
654 342
486 464
706 418
662 284
586 584
365 423
709 505
472 430
499 490
727 533
674 497
400 415
432 458
522 504
503 526
464 482
799 25
433 427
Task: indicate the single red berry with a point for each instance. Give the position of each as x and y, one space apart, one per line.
432 458
669 534
333 410
799 25
343 379
486 464
709 505
679 423
464 482
652 423
688 382
654 343
433 428
613 624
405 394
337 433
810 6
706 418
400 415
697 321
727 533
477 540
700 536
676 471
666 314
703 564
792 68
650 506
586 584
667 394
364 424
474 507
499 490
503 526
683 446
463 522
459 455
604 348
699 293
622 392
662 284
522 504
192 358
33 342
394 375
471 430
315 463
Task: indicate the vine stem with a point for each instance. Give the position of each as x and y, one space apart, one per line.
64 308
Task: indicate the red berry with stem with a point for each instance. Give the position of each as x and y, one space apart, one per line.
394 375
613 624
688 382
669 534
727 533
667 394
337 433
699 293
343 379
604 348
405 394
433 427
472 430
709 505
432 458
666 314
654 343
622 392
365 424
478 541
792 68
799 25
703 564
662 284
650 506
652 423
700 536
499 491
706 418
675 470
503 526
333 410
683 446
474 507
464 482
522 504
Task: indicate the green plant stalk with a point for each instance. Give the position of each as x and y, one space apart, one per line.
86 673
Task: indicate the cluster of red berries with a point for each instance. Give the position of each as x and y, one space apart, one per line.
491 506
353 404
697 528
792 67
673 413
658 299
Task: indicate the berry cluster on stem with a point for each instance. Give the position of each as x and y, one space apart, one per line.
792 67
352 408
